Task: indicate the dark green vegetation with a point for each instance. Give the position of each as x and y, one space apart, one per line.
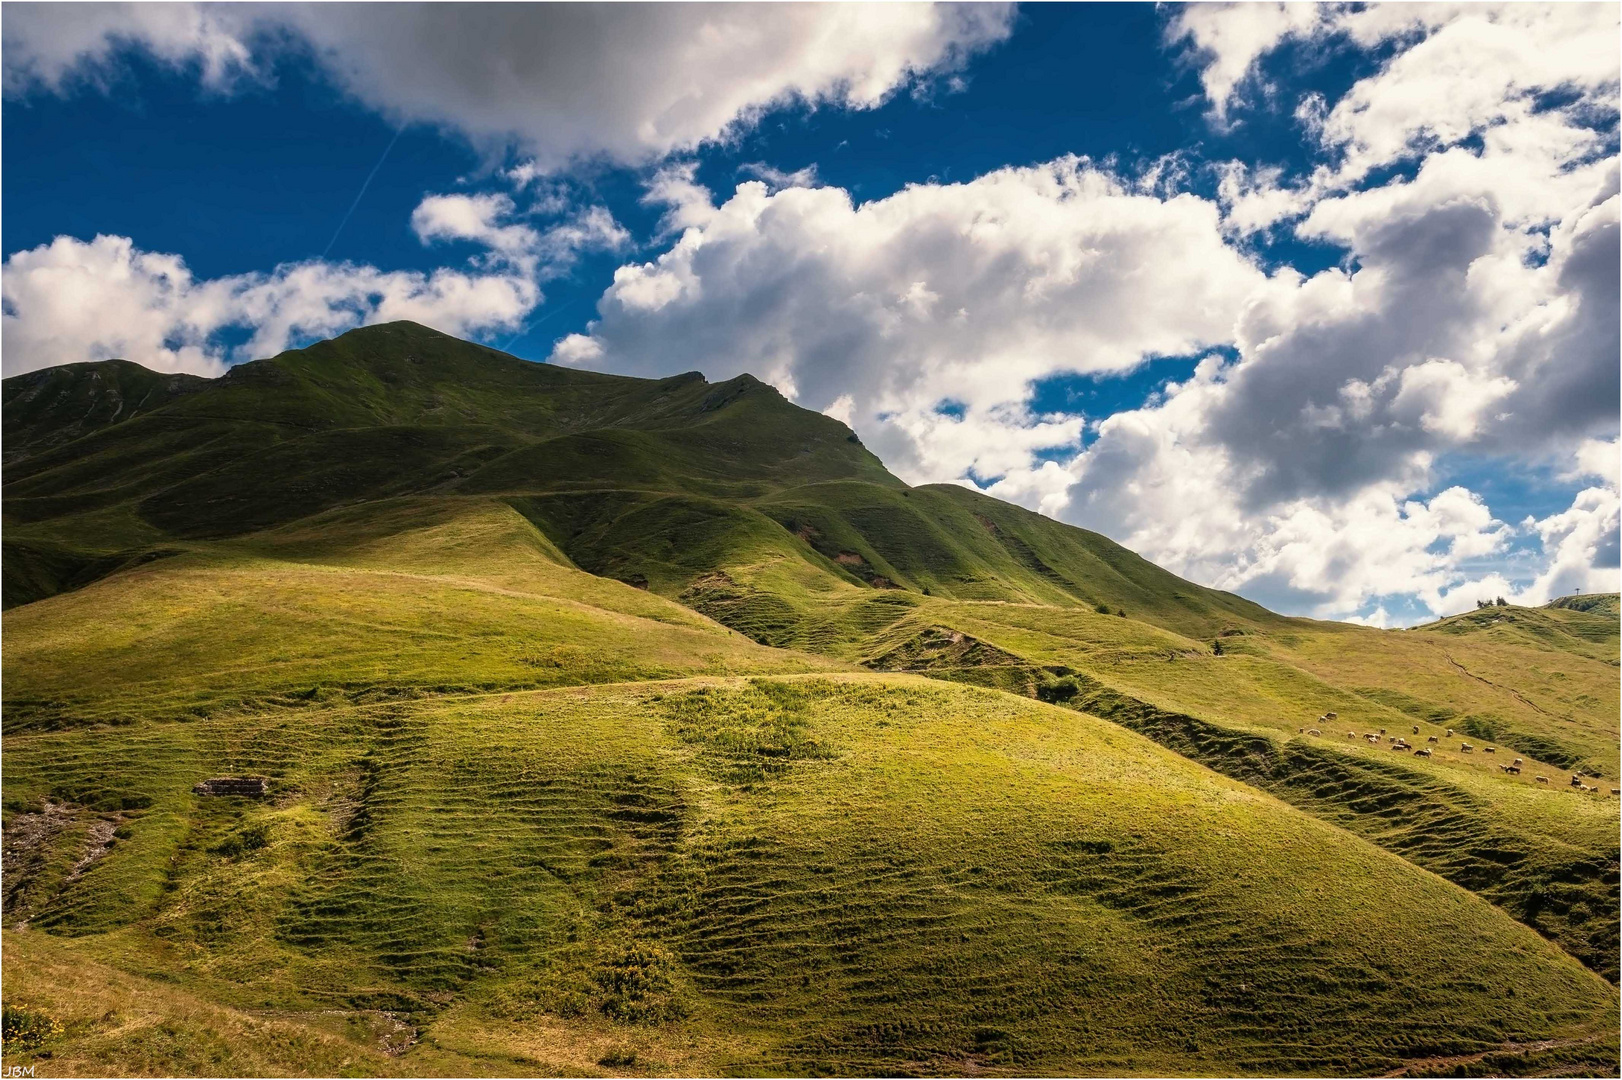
597 742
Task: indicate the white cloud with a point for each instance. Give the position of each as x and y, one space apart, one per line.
48 45
1474 315
491 220
72 300
965 292
1477 68
777 179
1482 71
1581 545
1599 459
1446 398
1226 41
482 219
564 82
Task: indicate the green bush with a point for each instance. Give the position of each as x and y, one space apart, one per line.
1060 689
251 838
636 980
25 1029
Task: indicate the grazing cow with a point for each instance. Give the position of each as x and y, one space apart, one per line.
1331 715
1416 729
1616 791
1513 770
1450 733
1576 779
1542 779
1423 753
1382 731
1585 787
1491 750
1518 761
1433 738
1351 734
1466 748
1299 730
1314 731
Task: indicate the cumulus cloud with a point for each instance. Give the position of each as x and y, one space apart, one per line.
1226 41
73 300
564 82
1525 80
962 293
491 220
1474 316
1582 546
48 45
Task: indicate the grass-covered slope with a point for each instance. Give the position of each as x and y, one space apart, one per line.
852 874
56 405
658 482
1593 603
389 599
590 713
1545 851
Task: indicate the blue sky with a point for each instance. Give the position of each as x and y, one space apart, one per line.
1290 300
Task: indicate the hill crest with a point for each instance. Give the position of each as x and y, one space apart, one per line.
398 409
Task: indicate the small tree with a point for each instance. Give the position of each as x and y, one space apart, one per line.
1216 648
1502 602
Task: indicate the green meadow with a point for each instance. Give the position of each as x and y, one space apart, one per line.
629 727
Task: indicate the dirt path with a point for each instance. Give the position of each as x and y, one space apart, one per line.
1433 1064
1516 694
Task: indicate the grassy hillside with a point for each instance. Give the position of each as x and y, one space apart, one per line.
52 406
596 743
399 410
1544 851
850 875
1593 603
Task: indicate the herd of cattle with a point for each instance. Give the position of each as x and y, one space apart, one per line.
1399 742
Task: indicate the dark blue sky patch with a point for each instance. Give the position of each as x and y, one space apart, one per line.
1097 396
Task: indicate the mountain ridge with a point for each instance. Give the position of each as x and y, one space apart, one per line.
404 409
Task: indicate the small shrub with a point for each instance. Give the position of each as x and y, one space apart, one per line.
1059 689
636 980
243 841
1102 609
25 1029
752 734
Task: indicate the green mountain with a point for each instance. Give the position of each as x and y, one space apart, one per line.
621 726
